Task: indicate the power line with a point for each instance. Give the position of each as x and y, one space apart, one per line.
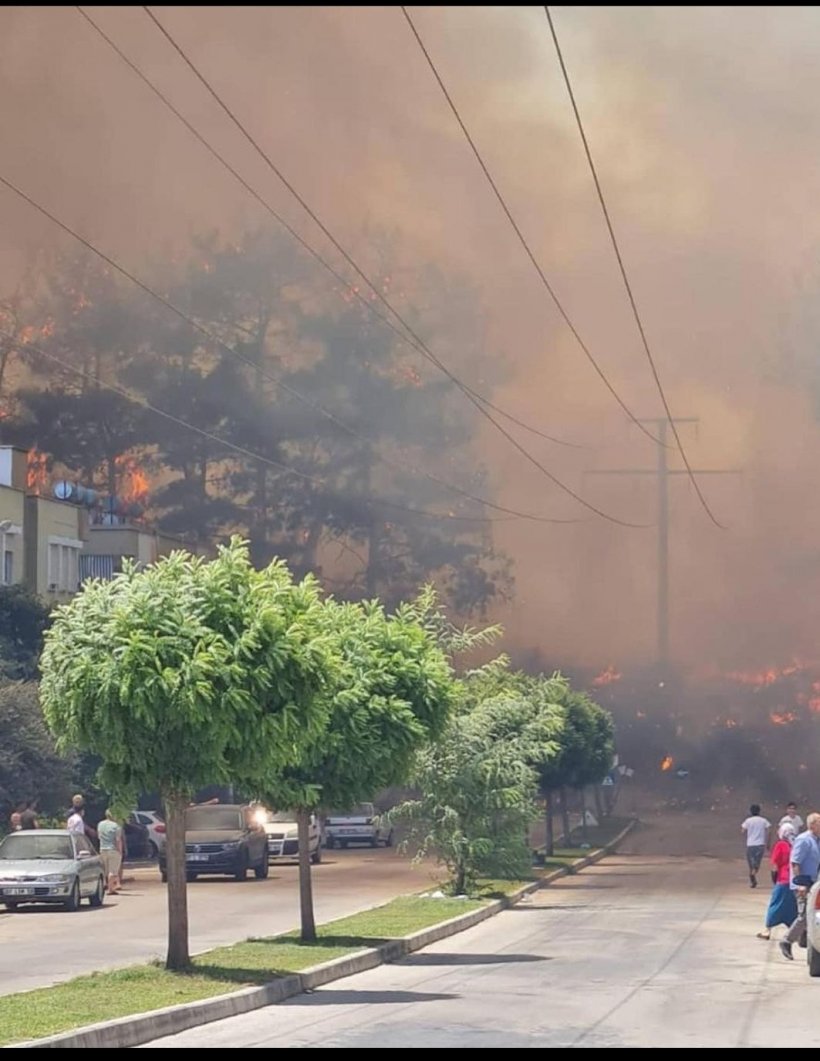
296 235
517 229
138 400
624 276
382 298
252 364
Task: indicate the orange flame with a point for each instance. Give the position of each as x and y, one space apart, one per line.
667 763
37 471
782 718
607 677
133 482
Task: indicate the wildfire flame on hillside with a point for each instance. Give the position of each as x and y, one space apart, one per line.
607 677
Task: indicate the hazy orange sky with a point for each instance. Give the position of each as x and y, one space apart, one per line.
704 123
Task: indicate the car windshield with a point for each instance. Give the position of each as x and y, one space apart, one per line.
201 819
32 846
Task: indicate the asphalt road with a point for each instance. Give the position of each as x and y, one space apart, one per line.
41 945
655 947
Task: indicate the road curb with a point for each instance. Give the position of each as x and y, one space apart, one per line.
141 1028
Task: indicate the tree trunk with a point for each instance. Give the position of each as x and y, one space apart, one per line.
599 803
567 838
583 794
305 880
550 818
178 956
460 882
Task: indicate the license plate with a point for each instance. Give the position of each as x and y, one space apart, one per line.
196 858
353 830
18 891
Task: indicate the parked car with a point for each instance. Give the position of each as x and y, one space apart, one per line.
361 825
136 839
283 836
813 930
223 839
50 866
155 824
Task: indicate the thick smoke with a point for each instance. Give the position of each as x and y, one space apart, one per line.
703 122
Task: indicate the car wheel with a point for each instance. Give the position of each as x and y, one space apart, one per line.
813 957
316 856
11 907
73 901
242 870
261 871
330 843
190 876
98 896
153 850
163 873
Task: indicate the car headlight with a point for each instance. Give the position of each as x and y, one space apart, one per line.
55 878
231 845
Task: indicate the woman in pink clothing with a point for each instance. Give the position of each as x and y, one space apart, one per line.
782 909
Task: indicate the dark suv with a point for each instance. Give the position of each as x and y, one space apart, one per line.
222 839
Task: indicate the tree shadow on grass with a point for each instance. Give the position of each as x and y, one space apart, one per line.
271 953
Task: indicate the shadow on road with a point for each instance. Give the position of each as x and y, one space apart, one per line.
357 998
472 959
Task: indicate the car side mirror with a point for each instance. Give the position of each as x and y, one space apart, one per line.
84 854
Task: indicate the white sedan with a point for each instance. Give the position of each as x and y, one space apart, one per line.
283 836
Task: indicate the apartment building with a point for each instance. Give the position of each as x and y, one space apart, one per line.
55 536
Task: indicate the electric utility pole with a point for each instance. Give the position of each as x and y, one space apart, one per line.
662 472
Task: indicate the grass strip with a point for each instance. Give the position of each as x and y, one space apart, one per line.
141 988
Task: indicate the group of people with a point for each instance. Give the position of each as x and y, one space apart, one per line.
108 836
795 866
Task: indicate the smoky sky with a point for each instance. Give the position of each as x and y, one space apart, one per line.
704 122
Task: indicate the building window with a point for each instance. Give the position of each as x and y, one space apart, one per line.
7 553
63 565
96 566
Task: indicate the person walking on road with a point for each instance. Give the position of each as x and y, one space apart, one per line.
78 807
792 818
76 821
28 818
756 828
805 866
110 834
782 909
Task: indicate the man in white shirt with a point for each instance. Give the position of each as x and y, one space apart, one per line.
793 818
76 822
756 828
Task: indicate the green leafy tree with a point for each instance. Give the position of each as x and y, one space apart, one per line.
23 621
30 765
475 806
587 748
391 695
187 673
